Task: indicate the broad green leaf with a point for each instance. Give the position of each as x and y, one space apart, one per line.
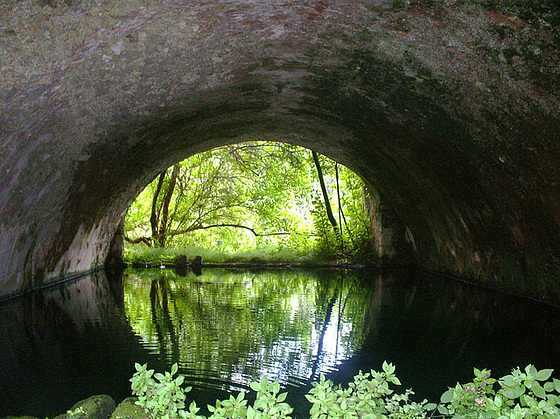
443 410
544 375
498 401
447 396
513 392
255 386
508 381
539 391
531 371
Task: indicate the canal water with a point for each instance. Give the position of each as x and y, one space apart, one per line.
226 328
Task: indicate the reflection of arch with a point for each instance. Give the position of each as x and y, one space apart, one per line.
458 144
65 344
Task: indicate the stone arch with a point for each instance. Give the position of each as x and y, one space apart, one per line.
450 111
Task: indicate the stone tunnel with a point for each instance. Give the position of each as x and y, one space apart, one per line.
448 109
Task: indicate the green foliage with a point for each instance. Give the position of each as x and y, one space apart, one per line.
367 396
327 242
521 394
269 402
158 394
156 256
249 196
354 239
162 396
253 185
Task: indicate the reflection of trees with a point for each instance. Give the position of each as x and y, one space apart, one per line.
236 326
161 318
326 322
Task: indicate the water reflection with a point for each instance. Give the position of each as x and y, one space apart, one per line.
64 345
227 328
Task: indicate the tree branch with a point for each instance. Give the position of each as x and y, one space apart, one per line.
328 208
201 227
145 240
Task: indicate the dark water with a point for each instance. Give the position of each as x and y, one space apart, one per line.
226 328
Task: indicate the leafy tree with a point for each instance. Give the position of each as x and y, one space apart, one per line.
239 186
253 194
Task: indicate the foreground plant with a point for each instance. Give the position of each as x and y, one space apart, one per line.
521 394
367 396
158 394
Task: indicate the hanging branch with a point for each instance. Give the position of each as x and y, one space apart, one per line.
339 208
328 208
341 211
154 215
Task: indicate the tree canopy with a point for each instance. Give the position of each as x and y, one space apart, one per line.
251 195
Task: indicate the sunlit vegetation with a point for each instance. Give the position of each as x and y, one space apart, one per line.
254 201
524 393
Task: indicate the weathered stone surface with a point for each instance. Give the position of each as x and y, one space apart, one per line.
449 110
127 409
96 407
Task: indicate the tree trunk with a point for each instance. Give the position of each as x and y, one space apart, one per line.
164 222
154 216
328 208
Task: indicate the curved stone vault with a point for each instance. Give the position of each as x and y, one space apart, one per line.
450 110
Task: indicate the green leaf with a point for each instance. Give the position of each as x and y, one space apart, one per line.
264 382
531 371
508 381
447 396
538 391
443 410
255 386
430 406
388 368
513 392
544 375
396 381
498 401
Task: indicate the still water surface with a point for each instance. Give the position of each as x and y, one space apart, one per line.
226 328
